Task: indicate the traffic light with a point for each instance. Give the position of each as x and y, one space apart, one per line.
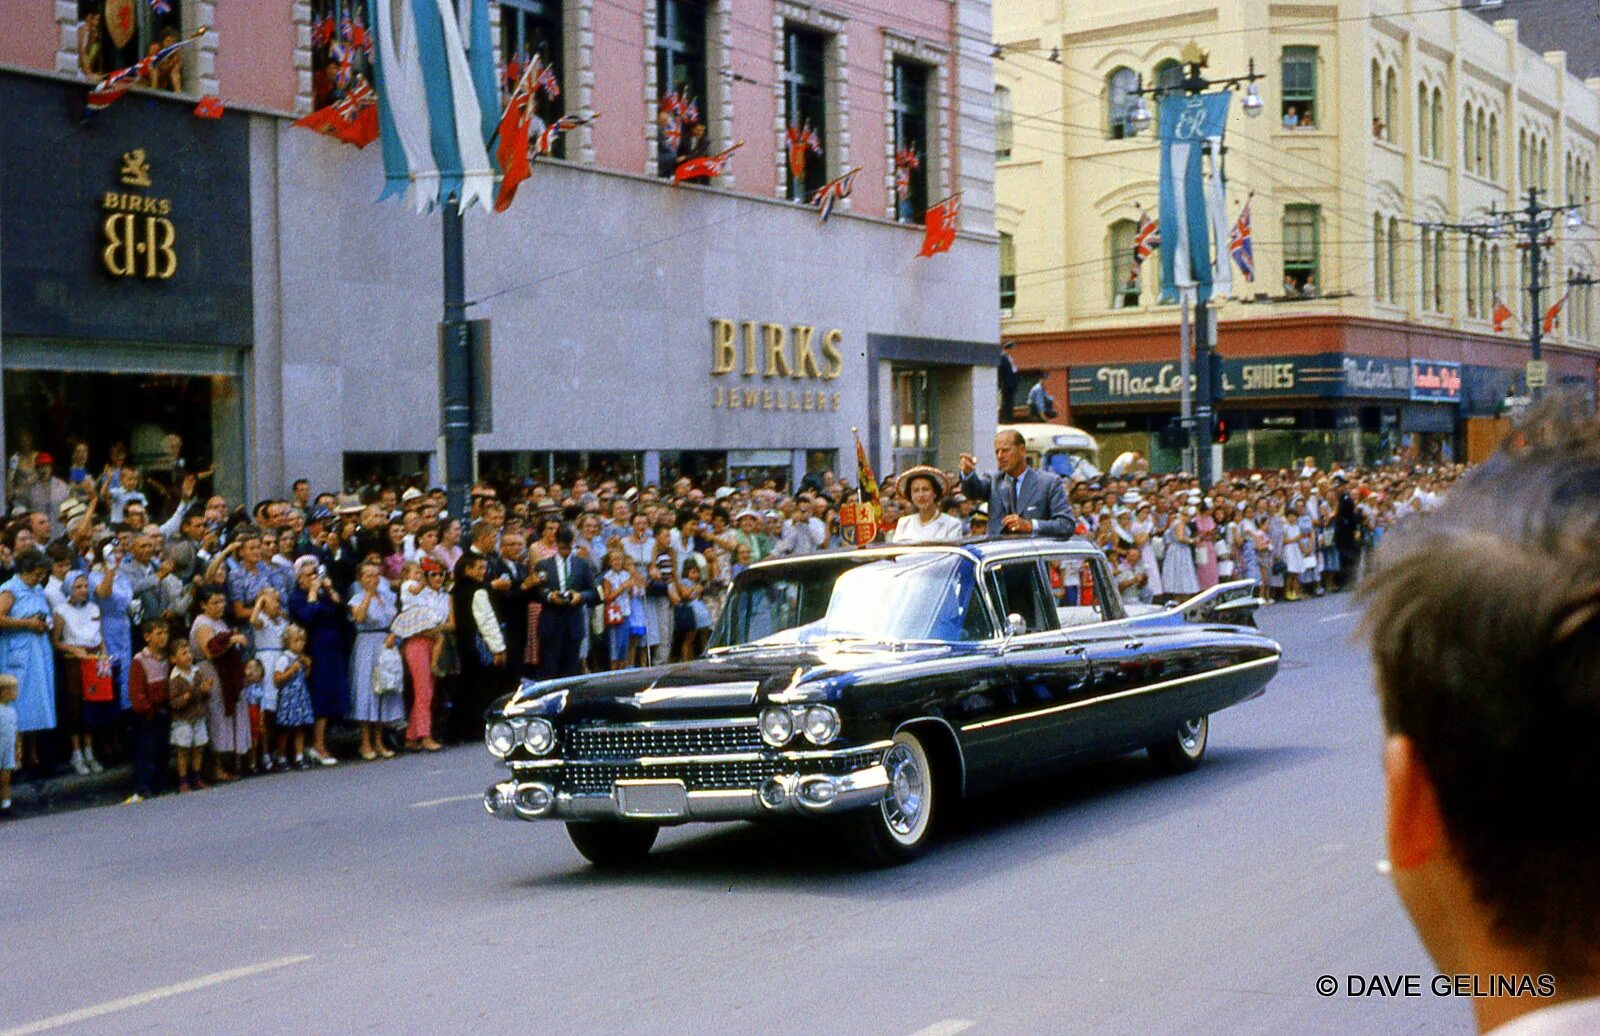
1171 435
1219 430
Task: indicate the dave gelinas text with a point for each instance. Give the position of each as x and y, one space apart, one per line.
1439 985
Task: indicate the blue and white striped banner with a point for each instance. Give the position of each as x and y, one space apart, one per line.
438 105
1194 220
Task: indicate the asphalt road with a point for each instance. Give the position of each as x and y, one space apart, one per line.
1105 900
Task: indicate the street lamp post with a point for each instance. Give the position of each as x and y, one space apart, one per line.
1199 420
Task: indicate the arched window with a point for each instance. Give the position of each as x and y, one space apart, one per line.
1120 99
1393 272
1391 106
1008 272
1424 136
1544 165
1494 147
1482 147
1438 272
1168 74
1441 146
1494 275
1377 256
1002 122
1126 271
1298 70
1472 278
1466 141
1380 126
1426 298
1522 159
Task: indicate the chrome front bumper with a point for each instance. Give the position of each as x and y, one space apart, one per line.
669 801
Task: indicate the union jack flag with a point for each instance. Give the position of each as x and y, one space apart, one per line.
566 124
681 111
113 87
1240 246
323 32
544 79
705 166
355 34
1146 238
829 193
800 139
161 6
905 162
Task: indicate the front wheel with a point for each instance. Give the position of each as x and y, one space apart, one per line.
898 829
1181 751
613 844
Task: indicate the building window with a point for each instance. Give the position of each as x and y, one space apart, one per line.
1379 127
1391 107
1441 148
1494 276
1377 256
1472 280
1393 257
805 102
910 108
1299 87
1002 122
1424 134
680 83
1481 144
1008 272
1127 271
1494 147
1168 78
532 29
112 40
1120 98
1426 244
1300 250
1467 152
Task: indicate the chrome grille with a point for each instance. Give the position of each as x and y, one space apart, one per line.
597 777
617 742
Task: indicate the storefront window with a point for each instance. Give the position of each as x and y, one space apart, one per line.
529 29
373 470
341 49
113 34
562 466
913 436
163 424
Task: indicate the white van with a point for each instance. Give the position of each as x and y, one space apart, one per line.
1062 449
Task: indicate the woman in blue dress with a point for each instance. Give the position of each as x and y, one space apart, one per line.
25 649
315 606
372 609
113 592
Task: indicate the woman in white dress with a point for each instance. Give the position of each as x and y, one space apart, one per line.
1178 575
925 486
1145 535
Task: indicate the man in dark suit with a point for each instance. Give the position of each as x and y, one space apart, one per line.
1022 501
1007 380
567 592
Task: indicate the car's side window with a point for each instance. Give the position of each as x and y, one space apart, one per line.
1077 597
975 621
1018 588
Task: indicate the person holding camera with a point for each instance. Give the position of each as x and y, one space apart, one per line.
566 592
315 606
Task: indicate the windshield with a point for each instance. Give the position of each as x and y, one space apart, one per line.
918 596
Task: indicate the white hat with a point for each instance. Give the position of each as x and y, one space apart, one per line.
411 494
723 492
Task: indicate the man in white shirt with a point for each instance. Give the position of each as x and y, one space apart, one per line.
1485 629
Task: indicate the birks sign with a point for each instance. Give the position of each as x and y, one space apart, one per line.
774 366
1254 377
137 233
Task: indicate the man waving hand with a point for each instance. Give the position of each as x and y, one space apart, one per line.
1022 501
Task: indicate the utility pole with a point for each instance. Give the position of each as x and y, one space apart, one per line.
456 346
1200 425
1532 224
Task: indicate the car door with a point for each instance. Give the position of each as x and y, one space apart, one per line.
1045 671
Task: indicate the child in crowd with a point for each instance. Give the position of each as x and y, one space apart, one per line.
188 690
268 621
78 640
8 740
616 589
294 697
254 694
152 715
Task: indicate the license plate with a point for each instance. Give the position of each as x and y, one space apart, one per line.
654 799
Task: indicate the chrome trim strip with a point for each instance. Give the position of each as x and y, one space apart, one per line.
738 692
670 724
984 724
723 757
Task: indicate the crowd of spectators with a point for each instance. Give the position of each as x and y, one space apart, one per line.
200 640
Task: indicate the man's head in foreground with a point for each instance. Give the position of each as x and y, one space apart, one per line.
1485 629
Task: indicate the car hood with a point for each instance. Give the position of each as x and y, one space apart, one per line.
734 682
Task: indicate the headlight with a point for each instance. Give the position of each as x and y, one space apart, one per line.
539 736
821 724
777 726
500 738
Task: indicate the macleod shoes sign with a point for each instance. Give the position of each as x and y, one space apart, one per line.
1254 377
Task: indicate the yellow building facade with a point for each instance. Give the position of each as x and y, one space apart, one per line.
1379 119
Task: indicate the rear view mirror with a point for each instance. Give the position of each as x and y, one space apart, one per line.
1015 626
